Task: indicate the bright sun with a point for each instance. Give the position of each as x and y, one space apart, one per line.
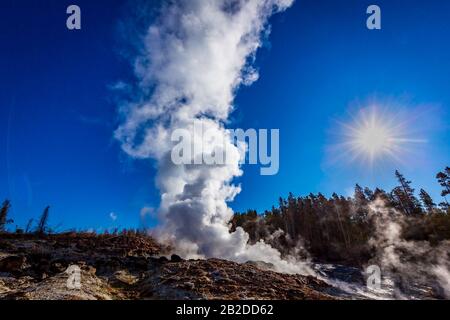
374 135
373 138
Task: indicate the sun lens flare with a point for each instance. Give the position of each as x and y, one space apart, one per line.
374 136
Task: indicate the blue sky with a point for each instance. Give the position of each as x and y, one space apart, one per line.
58 112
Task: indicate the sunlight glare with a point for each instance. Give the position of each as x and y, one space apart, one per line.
373 135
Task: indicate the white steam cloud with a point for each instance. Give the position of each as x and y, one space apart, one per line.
411 264
196 56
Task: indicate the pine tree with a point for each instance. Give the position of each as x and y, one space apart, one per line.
399 200
28 227
427 201
382 195
359 196
369 194
42 225
444 180
404 195
4 215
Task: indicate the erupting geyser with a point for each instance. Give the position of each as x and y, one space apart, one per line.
197 54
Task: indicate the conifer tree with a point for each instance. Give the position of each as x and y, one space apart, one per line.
360 197
42 225
404 195
444 180
427 201
4 215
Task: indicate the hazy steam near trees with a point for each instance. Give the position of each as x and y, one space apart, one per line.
408 262
196 55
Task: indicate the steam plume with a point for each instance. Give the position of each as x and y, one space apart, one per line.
410 263
196 55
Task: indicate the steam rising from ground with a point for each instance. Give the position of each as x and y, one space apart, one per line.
196 56
411 264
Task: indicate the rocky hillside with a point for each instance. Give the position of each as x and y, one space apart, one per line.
133 266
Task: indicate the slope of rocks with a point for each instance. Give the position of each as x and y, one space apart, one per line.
133 266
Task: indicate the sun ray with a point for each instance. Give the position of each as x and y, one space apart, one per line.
373 136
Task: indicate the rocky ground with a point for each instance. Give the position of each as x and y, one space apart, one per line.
133 266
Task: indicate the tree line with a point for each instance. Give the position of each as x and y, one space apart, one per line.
338 229
335 229
41 227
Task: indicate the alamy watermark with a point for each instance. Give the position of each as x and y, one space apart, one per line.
373 273
73 21
198 145
74 279
374 20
